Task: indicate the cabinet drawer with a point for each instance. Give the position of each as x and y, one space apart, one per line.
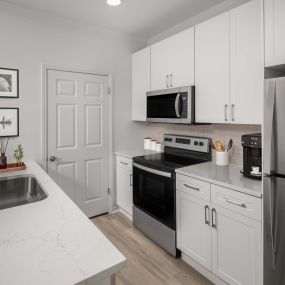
124 162
235 201
192 186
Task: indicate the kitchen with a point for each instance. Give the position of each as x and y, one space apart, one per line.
178 172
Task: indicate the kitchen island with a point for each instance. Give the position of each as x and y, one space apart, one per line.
53 242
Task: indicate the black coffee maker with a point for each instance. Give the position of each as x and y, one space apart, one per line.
252 155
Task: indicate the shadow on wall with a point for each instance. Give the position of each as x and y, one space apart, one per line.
220 131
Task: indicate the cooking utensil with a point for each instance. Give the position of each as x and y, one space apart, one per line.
212 145
230 144
219 146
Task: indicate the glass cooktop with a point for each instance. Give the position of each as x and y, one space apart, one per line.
166 162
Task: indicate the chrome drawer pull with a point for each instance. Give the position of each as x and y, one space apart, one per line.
235 203
124 163
191 187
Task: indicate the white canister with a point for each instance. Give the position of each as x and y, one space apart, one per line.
158 146
152 144
147 143
222 158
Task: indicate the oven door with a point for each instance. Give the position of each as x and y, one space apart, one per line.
154 193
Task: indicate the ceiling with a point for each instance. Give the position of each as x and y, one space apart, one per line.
141 18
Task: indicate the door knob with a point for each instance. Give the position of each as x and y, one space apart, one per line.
53 158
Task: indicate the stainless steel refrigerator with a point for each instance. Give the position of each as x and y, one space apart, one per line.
274 182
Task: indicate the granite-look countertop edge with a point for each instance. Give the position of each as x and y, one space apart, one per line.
224 176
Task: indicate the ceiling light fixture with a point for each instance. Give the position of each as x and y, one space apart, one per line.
114 2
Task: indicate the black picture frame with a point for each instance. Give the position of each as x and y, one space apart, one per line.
2 93
17 121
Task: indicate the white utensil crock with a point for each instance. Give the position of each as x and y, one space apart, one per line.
222 158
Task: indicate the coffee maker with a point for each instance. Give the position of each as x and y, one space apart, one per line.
252 155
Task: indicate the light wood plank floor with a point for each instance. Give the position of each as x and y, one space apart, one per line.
147 263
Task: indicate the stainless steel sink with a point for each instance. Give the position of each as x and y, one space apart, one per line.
20 190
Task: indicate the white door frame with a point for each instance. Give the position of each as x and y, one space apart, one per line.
45 69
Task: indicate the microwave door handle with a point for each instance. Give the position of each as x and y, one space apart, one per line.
178 96
268 125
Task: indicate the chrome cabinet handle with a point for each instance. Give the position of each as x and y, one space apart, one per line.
226 112
171 80
124 163
191 187
235 203
214 215
167 79
131 180
207 218
233 114
53 158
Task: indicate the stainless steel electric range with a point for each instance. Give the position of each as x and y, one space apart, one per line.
154 187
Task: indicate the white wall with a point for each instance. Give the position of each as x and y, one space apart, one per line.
29 39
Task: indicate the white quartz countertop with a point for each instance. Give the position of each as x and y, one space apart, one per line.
134 152
225 176
52 241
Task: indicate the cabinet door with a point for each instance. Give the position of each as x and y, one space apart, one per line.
124 189
246 63
212 70
274 11
172 61
236 248
140 83
193 234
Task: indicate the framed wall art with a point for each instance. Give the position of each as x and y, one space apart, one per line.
9 122
9 83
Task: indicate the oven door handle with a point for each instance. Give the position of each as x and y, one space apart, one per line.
151 170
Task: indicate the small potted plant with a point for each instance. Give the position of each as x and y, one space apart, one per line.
19 155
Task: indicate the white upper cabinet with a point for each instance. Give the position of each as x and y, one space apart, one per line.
172 61
246 63
212 70
229 67
140 83
274 11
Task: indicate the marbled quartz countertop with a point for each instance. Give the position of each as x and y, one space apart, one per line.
52 241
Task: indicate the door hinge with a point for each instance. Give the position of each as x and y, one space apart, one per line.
109 191
109 90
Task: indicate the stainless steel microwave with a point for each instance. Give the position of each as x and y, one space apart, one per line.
175 105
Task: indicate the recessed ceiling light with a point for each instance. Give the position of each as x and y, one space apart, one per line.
114 2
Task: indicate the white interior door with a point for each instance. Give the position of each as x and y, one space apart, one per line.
78 137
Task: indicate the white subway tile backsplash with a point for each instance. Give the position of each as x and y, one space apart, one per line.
216 132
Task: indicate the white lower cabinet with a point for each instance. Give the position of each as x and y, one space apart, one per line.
236 248
222 240
124 184
193 230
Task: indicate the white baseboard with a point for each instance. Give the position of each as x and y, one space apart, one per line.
124 212
201 269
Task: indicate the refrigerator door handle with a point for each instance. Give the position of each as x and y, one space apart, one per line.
268 124
270 218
